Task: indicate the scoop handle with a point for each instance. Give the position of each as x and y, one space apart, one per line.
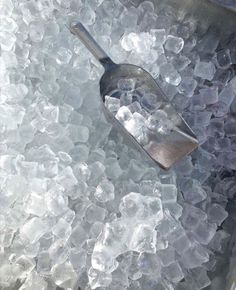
79 30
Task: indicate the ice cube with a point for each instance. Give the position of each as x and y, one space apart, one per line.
173 272
199 278
35 205
209 41
66 178
205 70
209 95
192 191
43 262
187 86
87 15
223 58
81 171
151 102
98 279
63 55
192 216
181 62
159 123
204 232
78 236
112 104
143 239
149 264
159 36
26 265
216 214
219 241
104 191
95 213
129 18
136 170
6 8
62 273
33 230
58 251
78 133
168 193
7 40
36 31
194 257
167 256
227 95
182 244
134 107
126 84
62 229
174 44
34 281
123 115
227 159
169 74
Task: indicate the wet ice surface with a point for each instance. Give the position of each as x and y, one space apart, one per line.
80 208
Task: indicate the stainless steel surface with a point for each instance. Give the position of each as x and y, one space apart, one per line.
165 149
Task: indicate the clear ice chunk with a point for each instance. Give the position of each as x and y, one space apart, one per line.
63 55
159 36
187 86
216 214
168 193
98 279
223 58
173 272
62 229
26 265
104 191
35 205
169 74
126 84
87 15
95 213
194 257
204 232
192 216
78 236
34 281
36 31
143 239
7 40
66 178
123 115
167 256
205 70
209 95
149 264
174 44
63 273
33 230
227 95
192 191
151 102
58 251
112 104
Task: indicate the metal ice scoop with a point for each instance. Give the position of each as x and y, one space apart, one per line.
165 149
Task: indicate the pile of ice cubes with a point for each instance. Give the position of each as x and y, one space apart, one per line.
139 110
79 207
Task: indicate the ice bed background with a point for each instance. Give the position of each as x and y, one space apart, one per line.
80 208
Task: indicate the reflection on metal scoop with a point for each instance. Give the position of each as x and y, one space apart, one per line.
164 149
